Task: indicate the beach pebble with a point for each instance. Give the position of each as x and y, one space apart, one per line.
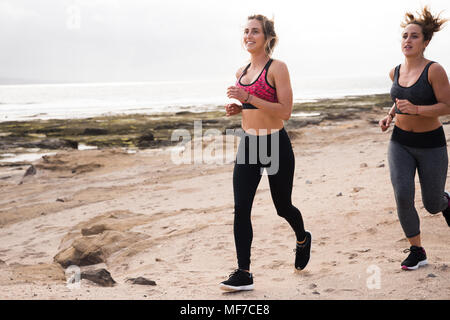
101 277
31 171
142 281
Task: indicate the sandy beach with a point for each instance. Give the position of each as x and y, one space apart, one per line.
139 214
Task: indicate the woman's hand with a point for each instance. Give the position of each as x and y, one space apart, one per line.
407 107
385 122
237 93
233 109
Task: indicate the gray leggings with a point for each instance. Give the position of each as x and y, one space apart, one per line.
431 164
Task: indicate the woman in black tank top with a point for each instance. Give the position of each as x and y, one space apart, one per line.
421 93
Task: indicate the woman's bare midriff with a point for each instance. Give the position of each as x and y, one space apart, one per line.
417 123
257 122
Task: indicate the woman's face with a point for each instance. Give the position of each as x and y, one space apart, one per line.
413 43
254 39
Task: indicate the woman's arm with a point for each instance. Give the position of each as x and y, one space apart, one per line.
441 87
281 109
386 121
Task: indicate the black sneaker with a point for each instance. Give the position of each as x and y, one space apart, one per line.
239 280
416 258
303 252
446 212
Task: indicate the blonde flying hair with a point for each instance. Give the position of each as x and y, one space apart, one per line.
426 20
269 32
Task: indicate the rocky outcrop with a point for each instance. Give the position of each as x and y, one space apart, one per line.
96 240
12 142
96 248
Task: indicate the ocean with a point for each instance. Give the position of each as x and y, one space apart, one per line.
81 100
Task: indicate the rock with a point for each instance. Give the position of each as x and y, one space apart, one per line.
96 248
146 140
431 275
363 165
96 229
95 131
31 171
55 144
97 239
308 182
213 121
342 115
300 123
101 277
142 281
357 189
74 256
381 165
71 143
339 194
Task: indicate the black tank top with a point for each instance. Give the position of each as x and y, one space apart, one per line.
420 93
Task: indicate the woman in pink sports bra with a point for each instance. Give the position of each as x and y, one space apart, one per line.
263 87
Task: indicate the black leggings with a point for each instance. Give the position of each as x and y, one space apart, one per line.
274 154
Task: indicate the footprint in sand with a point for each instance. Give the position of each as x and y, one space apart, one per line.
303 273
352 256
331 263
278 279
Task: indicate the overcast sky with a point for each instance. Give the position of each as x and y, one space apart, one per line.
131 40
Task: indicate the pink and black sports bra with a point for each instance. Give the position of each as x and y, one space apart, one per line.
259 88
